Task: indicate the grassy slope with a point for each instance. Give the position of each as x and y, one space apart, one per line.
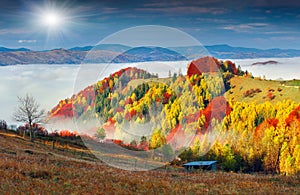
242 84
27 168
289 89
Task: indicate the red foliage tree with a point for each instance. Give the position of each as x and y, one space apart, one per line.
109 128
293 116
67 133
231 67
203 65
259 131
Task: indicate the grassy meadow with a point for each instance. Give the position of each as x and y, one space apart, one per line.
36 168
282 90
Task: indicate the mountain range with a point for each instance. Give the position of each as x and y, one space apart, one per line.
121 54
4 49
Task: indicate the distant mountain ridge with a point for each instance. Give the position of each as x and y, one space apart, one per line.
228 52
57 56
104 47
4 49
99 54
142 54
122 53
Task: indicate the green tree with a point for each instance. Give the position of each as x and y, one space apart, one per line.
168 152
229 161
174 77
100 133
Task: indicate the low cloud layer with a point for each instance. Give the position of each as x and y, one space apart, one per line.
47 83
51 83
286 68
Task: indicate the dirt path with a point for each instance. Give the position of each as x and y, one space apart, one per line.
288 86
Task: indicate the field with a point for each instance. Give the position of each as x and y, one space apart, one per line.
36 168
281 90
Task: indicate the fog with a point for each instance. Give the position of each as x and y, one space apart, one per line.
47 83
286 68
51 83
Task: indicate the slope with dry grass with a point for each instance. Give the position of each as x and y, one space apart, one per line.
280 90
35 168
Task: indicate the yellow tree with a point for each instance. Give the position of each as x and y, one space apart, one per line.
296 156
272 143
157 139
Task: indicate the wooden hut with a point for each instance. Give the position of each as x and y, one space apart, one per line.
201 164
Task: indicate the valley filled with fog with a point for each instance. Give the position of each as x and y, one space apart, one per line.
51 83
284 69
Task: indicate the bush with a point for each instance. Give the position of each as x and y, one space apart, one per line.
3 125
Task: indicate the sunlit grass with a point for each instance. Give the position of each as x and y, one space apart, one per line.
47 171
282 90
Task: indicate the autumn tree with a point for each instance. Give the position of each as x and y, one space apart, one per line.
28 111
100 133
157 139
144 145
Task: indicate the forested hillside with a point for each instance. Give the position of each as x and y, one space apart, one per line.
206 114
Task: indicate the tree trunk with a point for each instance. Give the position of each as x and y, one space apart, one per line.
31 135
53 144
24 133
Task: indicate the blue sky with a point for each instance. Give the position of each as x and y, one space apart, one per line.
256 23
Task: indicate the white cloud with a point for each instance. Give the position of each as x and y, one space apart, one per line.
27 41
280 32
245 27
212 20
284 38
186 10
6 31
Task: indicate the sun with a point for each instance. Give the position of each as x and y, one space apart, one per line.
52 19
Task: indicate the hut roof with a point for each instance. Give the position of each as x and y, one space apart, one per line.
200 163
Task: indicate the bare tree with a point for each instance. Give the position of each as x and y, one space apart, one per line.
29 112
